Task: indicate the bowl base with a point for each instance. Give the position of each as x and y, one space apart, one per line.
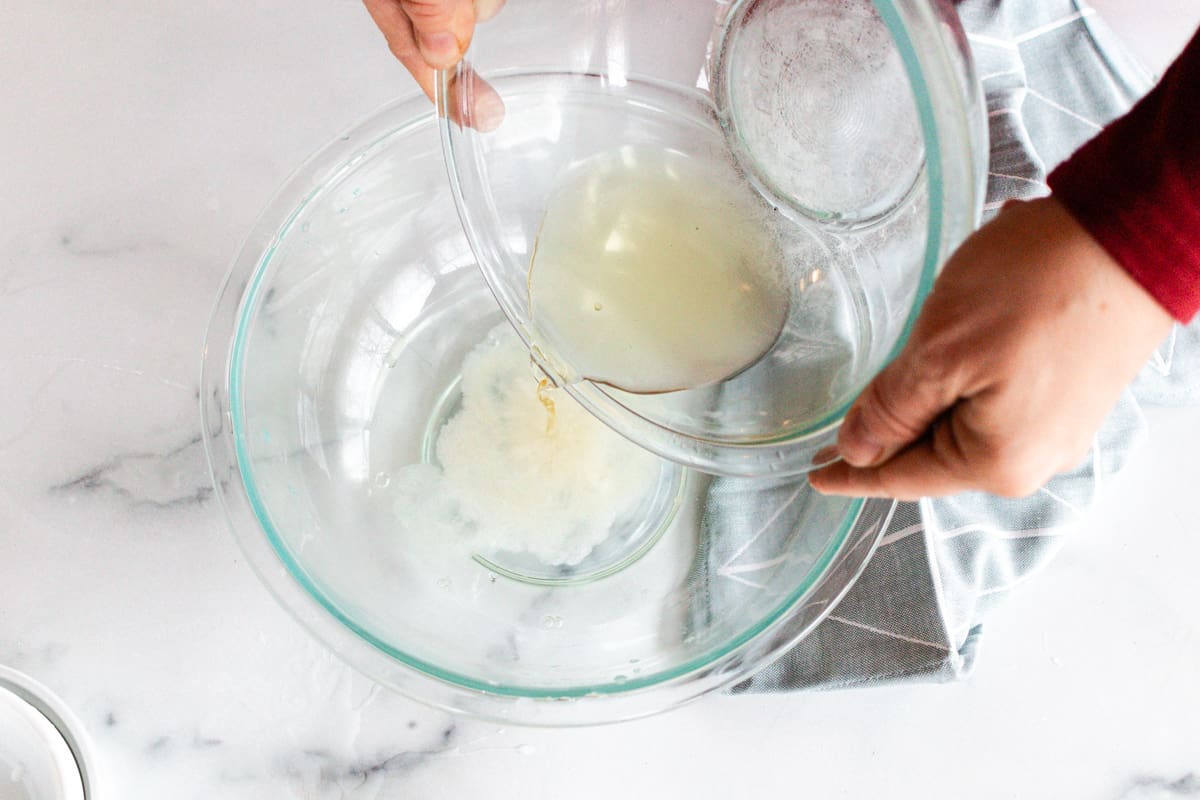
630 537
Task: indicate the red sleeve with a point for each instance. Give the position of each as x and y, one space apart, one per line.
1136 188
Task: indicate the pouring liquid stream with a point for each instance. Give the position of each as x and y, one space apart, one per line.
544 396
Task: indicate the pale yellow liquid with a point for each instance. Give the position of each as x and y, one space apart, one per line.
653 273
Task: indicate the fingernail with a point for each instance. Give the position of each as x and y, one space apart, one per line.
440 50
487 112
486 9
855 444
825 455
823 481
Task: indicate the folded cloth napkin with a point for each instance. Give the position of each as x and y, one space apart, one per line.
1053 75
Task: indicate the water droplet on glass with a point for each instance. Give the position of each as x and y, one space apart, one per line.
382 480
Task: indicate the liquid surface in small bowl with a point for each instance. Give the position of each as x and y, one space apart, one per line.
653 272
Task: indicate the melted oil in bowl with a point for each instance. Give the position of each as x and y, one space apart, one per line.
653 272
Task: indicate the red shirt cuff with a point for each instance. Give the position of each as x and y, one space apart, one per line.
1136 188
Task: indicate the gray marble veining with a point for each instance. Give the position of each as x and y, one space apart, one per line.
163 479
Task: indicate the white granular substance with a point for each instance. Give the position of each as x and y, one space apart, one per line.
512 478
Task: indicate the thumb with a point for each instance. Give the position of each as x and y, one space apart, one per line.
442 29
895 409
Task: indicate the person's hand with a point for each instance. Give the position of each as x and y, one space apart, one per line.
1029 336
428 35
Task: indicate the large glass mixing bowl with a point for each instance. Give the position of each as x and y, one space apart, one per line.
334 363
856 125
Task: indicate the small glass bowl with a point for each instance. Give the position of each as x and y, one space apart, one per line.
857 125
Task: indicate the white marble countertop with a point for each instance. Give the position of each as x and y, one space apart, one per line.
138 141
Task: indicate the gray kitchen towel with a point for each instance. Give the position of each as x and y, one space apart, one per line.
1053 75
